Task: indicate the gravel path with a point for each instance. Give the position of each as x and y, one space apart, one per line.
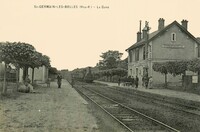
47 110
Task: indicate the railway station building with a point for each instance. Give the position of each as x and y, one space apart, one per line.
168 43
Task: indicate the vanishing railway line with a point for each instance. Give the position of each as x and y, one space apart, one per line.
130 118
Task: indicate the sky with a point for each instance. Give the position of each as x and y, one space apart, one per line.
76 37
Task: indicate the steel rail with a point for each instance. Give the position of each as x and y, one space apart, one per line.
135 111
166 101
105 111
181 104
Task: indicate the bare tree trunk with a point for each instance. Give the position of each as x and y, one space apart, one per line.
4 80
33 75
17 77
25 72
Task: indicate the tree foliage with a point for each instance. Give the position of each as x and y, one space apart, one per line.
194 65
17 53
160 67
53 70
123 64
176 67
45 60
112 72
22 55
110 59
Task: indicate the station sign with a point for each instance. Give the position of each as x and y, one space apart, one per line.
190 73
195 79
173 46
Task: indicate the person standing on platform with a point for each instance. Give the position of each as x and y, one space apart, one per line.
150 82
136 81
59 80
119 81
146 81
143 84
133 81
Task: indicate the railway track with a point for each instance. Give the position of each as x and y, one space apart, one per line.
189 109
131 119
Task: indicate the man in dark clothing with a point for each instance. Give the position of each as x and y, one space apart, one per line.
146 81
59 80
133 81
136 81
119 81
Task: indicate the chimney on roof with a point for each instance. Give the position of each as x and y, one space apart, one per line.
184 23
144 33
139 34
146 30
161 24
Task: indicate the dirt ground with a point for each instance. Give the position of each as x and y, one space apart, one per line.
47 110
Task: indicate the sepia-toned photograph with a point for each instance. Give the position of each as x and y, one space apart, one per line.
99 66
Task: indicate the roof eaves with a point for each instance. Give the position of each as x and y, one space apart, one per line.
163 30
189 34
181 27
140 43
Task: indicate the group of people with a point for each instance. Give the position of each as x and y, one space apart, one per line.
146 81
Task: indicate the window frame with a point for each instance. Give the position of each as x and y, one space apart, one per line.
130 56
144 52
137 52
173 37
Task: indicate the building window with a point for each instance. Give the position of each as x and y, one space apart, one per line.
131 72
130 56
136 71
137 54
198 50
144 52
173 37
149 53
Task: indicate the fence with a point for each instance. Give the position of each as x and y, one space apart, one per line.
10 81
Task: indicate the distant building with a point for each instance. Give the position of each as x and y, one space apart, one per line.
167 43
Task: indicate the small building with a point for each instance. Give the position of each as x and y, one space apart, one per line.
167 43
40 74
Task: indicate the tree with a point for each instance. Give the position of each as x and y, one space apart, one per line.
172 67
16 53
36 62
194 65
21 55
177 67
53 70
46 61
123 64
110 59
162 68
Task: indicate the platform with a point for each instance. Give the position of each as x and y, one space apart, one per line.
167 93
47 110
